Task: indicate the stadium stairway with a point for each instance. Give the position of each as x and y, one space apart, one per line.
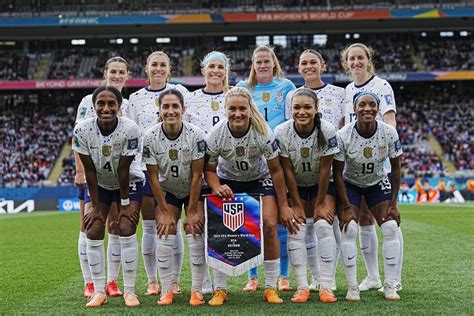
58 165
434 144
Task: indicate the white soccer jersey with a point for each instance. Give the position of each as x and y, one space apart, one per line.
364 157
376 85
174 156
204 109
331 103
86 109
241 158
106 151
304 153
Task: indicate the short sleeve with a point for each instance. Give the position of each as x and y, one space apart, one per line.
79 143
387 99
331 143
394 144
339 156
270 148
149 156
133 141
212 150
199 145
282 141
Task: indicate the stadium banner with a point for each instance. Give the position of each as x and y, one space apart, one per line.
68 205
8 206
233 233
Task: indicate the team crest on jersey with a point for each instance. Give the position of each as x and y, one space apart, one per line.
239 151
186 153
233 215
382 151
327 102
266 96
279 96
367 152
173 154
253 151
117 147
106 150
304 152
215 105
157 102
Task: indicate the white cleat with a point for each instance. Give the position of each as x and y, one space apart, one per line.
353 294
390 292
314 286
398 287
207 287
370 283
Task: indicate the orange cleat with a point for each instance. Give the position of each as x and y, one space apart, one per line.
166 298
327 296
131 299
196 298
176 288
218 298
251 286
97 300
112 289
271 296
301 296
153 289
284 284
89 290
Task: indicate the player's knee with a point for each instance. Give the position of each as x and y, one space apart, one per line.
297 246
326 240
391 243
366 218
96 231
126 228
113 227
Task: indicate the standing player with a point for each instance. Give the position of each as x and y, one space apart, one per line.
174 154
243 147
359 173
107 146
144 110
205 107
269 89
115 74
357 61
307 145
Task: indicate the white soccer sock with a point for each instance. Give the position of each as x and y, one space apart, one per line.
164 257
272 271
337 235
114 256
297 253
326 253
349 253
130 260
197 260
312 248
400 258
178 253
369 244
82 252
96 258
390 250
220 280
149 249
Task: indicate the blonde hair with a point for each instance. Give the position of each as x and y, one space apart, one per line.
318 54
159 53
369 52
256 119
277 71
222 57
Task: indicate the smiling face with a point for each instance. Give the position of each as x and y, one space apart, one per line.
214 73
310 67
366 109
263 64
358 62
116 75
171 109
238 113
106 107
303 110
158 69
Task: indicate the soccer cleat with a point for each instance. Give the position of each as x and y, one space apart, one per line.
327 296
131 299
176 288
390 292
207 287
398 287
166 298
251 286
271 296
301 296
89 290
218 298
370 283
112 289
314 286
196 298
353 294
153 289
97 300
284 284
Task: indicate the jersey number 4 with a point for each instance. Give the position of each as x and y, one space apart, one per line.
107 166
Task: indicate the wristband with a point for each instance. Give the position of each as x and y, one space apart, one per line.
125 202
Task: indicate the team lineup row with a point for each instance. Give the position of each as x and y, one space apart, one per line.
262 136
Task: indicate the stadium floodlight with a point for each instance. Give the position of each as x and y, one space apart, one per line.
163 40
119 41
463 33
347 36
134 41
320 39
356 35
280 40
423 34
446 34
79 41
262 40
231 38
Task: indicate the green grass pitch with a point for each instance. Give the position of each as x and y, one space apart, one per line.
40 274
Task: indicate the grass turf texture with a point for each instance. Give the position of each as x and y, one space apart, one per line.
40 271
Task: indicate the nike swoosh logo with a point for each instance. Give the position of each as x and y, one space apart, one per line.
148 254
352 152
311 248
322 257
162 260
293 249
83 253
115 255
350 258
389 258
93 265
364 248
129 261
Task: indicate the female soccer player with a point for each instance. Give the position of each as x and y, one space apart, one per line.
115 74
144 110
269 89
359 172
107 146
244 148
174 155
357 61
307 145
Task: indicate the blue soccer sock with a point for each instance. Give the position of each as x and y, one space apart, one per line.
284 259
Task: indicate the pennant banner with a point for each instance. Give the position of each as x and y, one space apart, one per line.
234 239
